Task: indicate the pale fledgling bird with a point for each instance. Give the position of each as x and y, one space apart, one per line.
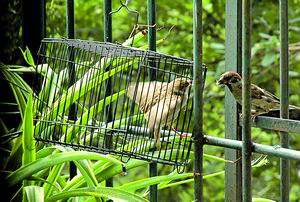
262 101
160 102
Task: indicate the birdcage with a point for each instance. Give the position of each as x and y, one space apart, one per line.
102 97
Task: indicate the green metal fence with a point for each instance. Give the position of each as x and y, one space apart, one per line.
237 141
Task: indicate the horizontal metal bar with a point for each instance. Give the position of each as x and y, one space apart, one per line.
276 150
286 125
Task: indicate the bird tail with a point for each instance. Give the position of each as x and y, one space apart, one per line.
155 134
294 107
157 139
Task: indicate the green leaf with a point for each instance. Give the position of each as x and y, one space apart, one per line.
111 193
54 159
16 84
115 170
53 175
87 172
34 193
207 176
28 141
137 37
268 59
262 200
76 91
89 114
27 56
144 183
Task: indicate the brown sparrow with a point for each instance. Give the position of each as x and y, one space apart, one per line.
262 101
160 102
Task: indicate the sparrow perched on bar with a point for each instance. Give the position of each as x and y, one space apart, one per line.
262 101
160 102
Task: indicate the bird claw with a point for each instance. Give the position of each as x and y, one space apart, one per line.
176 131
182 135
253 116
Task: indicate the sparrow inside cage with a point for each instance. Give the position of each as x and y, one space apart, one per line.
99 96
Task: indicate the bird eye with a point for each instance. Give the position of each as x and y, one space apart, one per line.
233 80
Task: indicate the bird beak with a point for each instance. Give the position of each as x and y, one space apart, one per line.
220 82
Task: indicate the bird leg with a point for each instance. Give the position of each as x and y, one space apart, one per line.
254 114
182 135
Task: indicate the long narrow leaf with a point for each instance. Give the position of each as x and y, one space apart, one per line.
75 92
144 183
34 194
135 38
40 164
111 193
29 154
87 172
88 115
28 56
79 180
20 98
54 173
28 140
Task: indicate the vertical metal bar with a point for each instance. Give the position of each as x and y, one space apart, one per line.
284 97
108 38
152 75
70 19
151 23
233 61
34 27
198 100
152 33
246 103
71 35
107 21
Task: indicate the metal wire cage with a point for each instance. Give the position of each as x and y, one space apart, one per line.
100 97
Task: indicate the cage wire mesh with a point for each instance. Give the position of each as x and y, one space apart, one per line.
97 96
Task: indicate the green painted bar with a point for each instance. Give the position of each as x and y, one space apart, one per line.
152 75
284 97
107 21
258 148
246 105
151 22
275 150
198 100
233 55
285 125
70 19
70 27
108 38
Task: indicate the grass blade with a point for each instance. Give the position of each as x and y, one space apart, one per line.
54 159
111 193
34 193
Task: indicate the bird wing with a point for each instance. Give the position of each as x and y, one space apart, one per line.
259 93
164 112
146 94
